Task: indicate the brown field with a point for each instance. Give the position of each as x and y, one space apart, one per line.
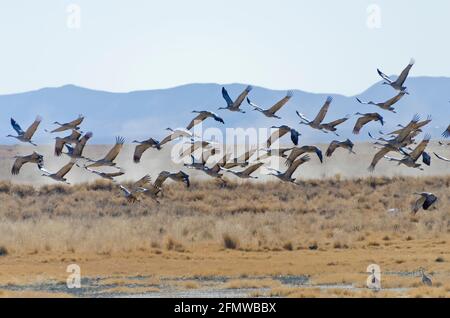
261 239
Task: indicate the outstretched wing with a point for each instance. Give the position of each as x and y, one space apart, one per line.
323 111
226 97
380 154
295 165
81 143
337 122
254 105
360 123
419 203
32 129
417 152
77 121
197 119
112 154
18 163
16 127
252 168
332 147
404 74
394 99
384 76
143 182
242 96
65 169
280 103
138 151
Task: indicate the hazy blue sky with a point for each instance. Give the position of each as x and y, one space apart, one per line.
319 46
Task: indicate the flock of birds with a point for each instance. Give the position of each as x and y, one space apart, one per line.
401 141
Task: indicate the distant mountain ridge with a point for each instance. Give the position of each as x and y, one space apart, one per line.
145 113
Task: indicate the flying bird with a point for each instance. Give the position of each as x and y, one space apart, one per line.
25 136
347 144
245 174
298 151
410 160
60 174
199 144
143 146
270 112
175 134
132 194
398 83
105 175
331 126
425 201
316 122
234 106
21 160
112 154
241 160
287 175
77 151
387 105
70 139
365 119
202 115
73 125
280 132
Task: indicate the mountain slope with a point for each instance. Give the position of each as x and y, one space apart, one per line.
141 114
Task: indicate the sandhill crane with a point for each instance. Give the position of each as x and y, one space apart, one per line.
426 280
298 151
70 139
366 118
387 105
25 136
410 159
287 175
319 118
245 174
21 160
331 126
59 175
272 110
105 175
140 186
446 133
425 201
347 144
441 157
143 146
194 145
77 151
175 134
112 154
241 160
234 106
280 132
202 115
398 83
179 176
73 125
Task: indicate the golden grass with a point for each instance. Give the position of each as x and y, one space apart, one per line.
328 229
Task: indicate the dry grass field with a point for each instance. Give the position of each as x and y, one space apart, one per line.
251 234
